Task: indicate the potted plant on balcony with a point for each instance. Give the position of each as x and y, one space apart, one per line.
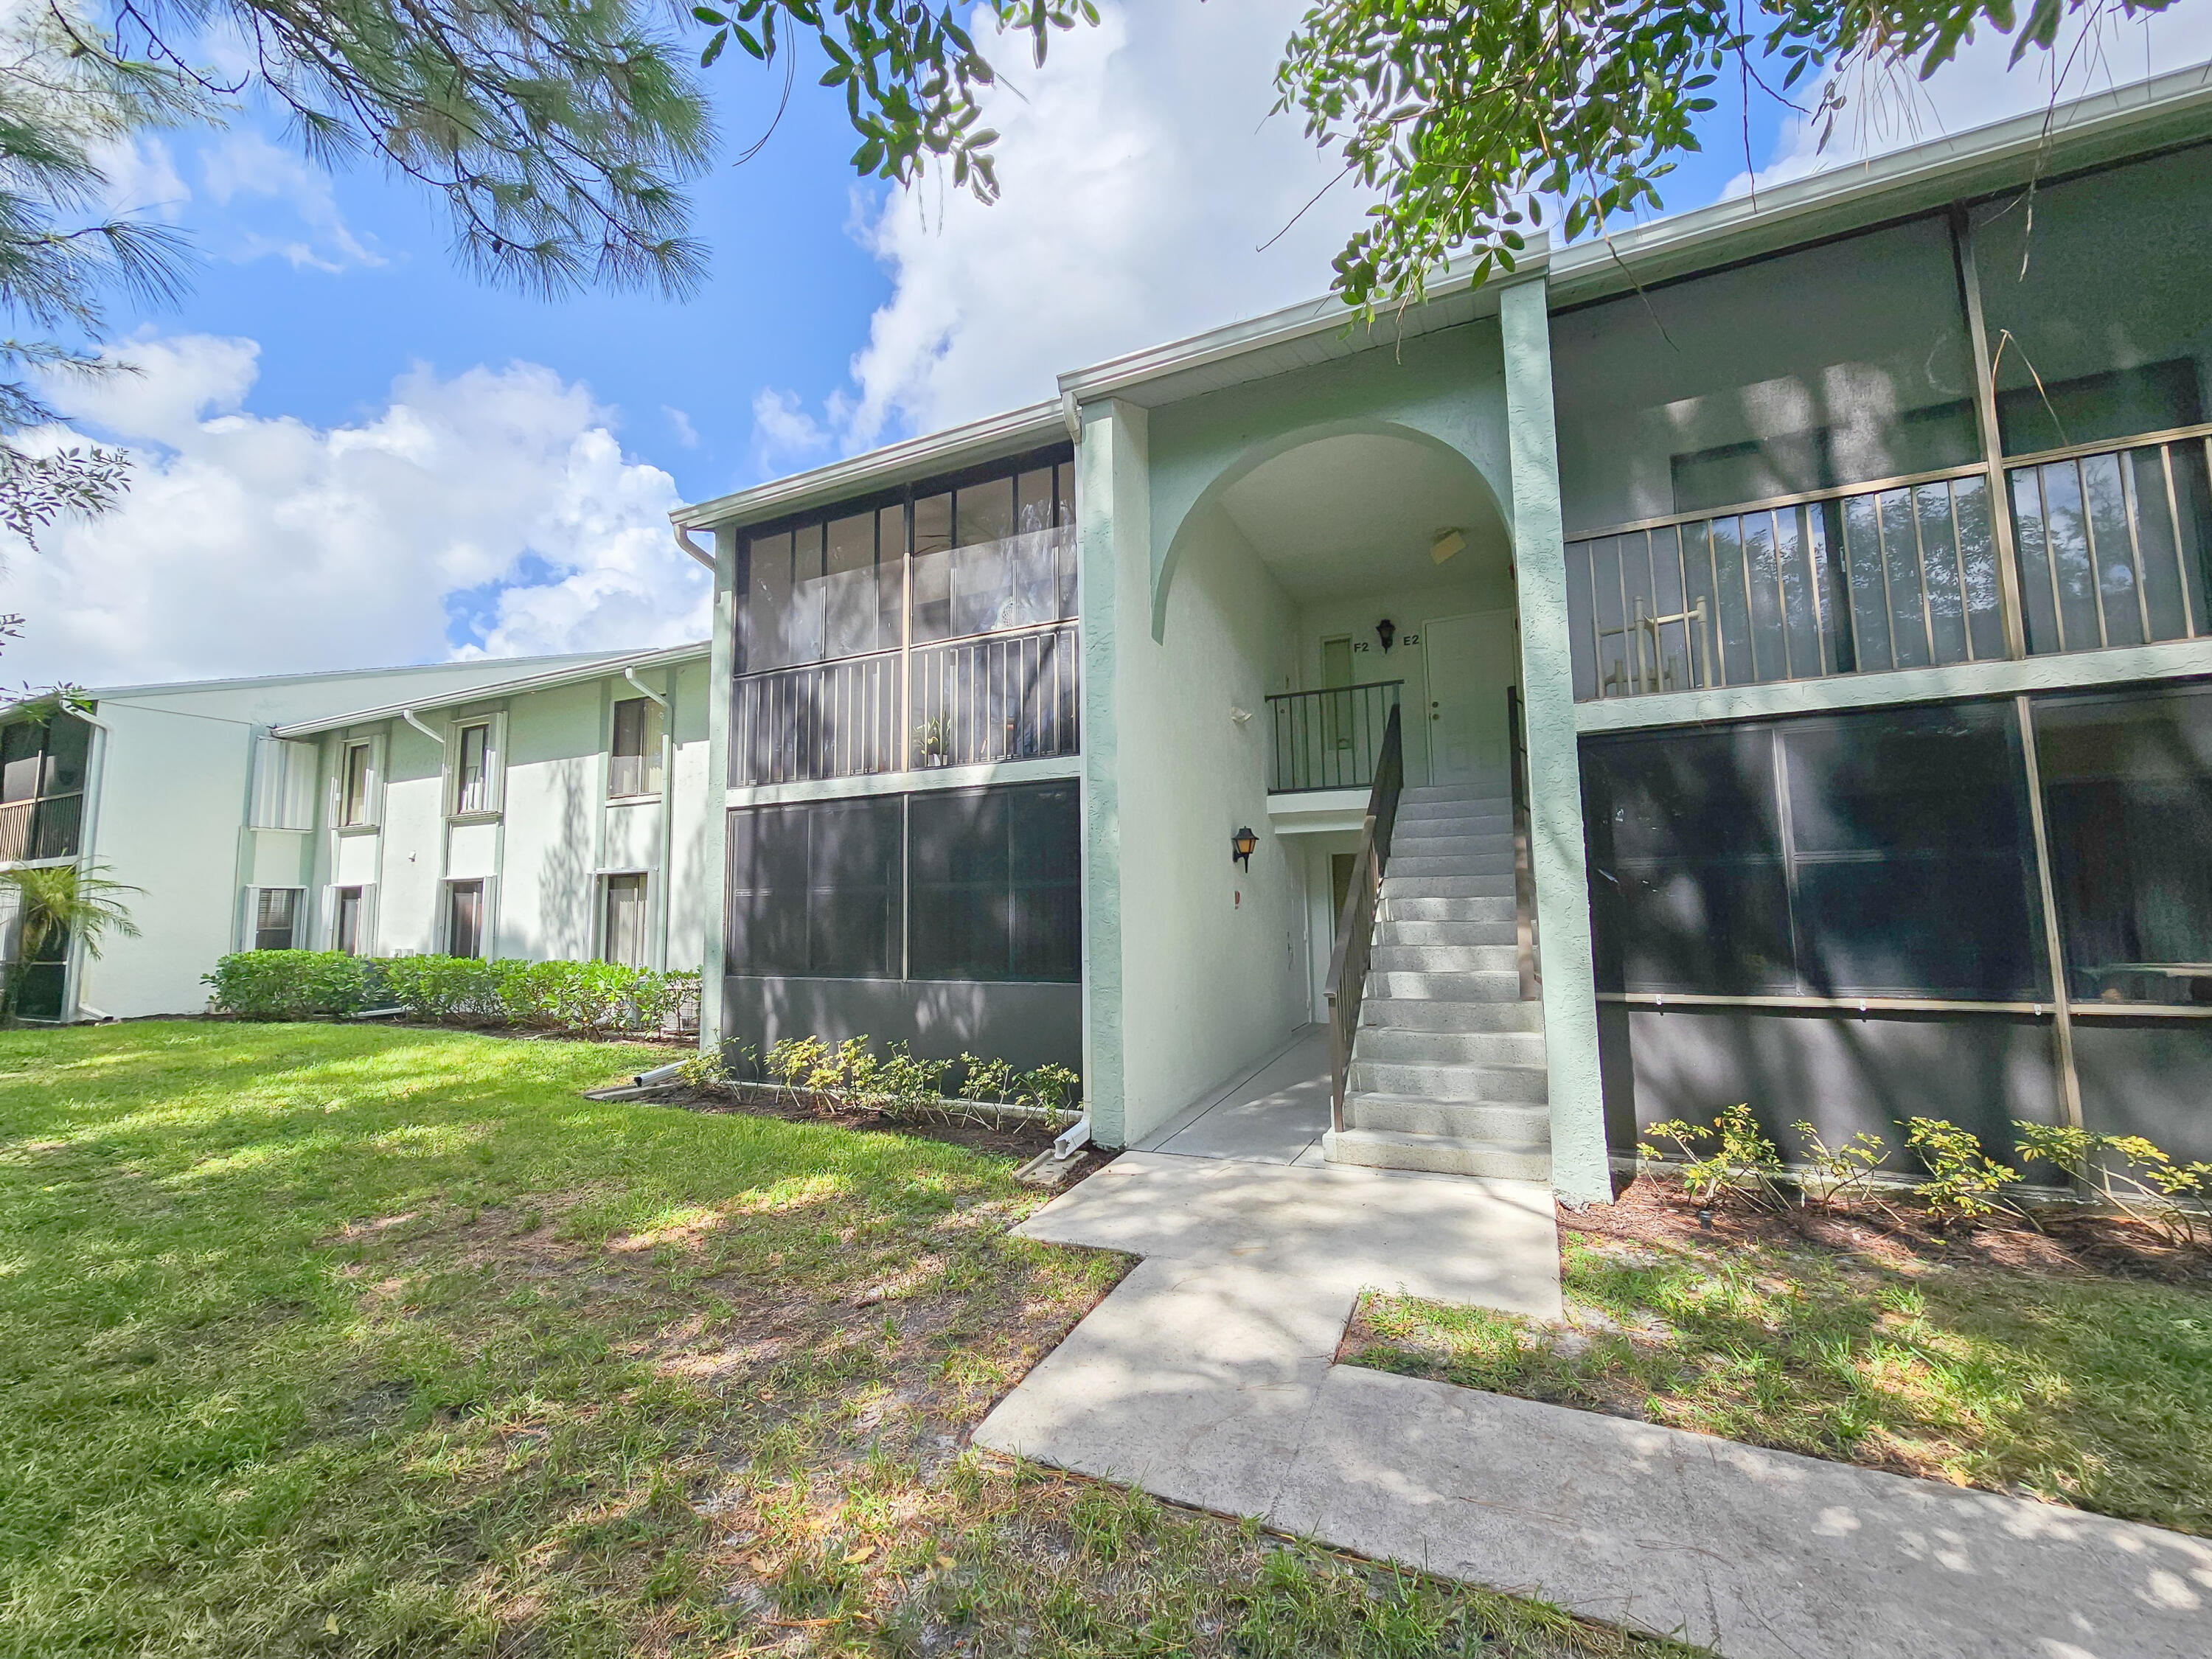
933 740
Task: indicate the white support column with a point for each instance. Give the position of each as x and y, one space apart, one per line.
1113 505
1580 1169
722 670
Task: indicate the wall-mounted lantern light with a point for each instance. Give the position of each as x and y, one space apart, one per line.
1242 846
1387 631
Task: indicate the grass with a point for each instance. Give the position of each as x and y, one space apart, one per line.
330 1340
2074 1388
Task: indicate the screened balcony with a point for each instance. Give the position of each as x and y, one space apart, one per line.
1792 469
42 773
931 630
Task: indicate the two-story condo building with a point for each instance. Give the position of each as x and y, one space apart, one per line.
1765 655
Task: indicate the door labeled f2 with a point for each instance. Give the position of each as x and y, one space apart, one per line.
1471 662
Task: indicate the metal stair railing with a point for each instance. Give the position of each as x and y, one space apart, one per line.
1524 879
1355 928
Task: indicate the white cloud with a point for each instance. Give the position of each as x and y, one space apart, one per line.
1982 85
254 544
142 178
1142 177
783 431
680 424
243 167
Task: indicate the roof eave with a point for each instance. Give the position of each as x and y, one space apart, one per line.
602 668
996 436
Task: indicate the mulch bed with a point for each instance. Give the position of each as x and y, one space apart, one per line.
1011 1139
1654 1210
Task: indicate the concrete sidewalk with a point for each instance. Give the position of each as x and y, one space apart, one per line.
1207 1377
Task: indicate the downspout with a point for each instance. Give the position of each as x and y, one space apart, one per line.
408 715
88 826
668 882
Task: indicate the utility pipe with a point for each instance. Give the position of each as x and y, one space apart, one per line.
408 715
662 910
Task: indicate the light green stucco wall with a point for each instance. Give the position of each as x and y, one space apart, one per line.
1579 1166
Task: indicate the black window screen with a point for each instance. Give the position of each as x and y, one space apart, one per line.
815 890
997 885
2127 783
276 919
1884 853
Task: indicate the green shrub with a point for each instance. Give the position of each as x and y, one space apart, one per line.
1744 1162
575 998
294 984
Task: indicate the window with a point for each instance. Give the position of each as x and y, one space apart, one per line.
996 554
472 768
997 885
822 590
624 937
276 918
1877 854
2127 787
42 773
356 784
464 919
348 933
815 890
634 766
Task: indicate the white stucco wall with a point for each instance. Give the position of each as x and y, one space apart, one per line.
1213 957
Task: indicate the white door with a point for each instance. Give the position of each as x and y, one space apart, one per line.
1471 663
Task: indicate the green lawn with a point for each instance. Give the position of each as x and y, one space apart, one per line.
339 1340
2091 1391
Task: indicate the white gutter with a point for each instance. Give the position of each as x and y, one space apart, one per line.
408 715
667 883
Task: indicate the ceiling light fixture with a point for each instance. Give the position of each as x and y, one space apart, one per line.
1447 544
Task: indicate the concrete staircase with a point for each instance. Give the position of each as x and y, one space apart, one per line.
1448 1065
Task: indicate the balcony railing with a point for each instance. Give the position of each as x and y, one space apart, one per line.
963 703
2110 544
831 719
1003 696
33 830
1329 739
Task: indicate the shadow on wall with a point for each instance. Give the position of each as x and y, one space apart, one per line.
565 880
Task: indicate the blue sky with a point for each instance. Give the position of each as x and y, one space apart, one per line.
351 452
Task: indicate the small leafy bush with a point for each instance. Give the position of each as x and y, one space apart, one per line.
1963 1183
2128 1173
1842 1173
1742 1164
294 984
575 998
851 1078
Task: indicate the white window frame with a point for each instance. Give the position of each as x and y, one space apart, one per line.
495 768
368 916
656 725
371 795
249 921
489 922
600 884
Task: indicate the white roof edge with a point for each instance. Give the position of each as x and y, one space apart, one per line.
934 452
1922 169
232 682
2071 125
596 668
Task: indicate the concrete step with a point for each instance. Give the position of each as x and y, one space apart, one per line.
1390 931
1429 794
1498 885
1387 1149
1504 1086
1396 1013
1445 958
1416 835
1447 817
1498 1123
1395 1044
1466 861
1497 986
1405 906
